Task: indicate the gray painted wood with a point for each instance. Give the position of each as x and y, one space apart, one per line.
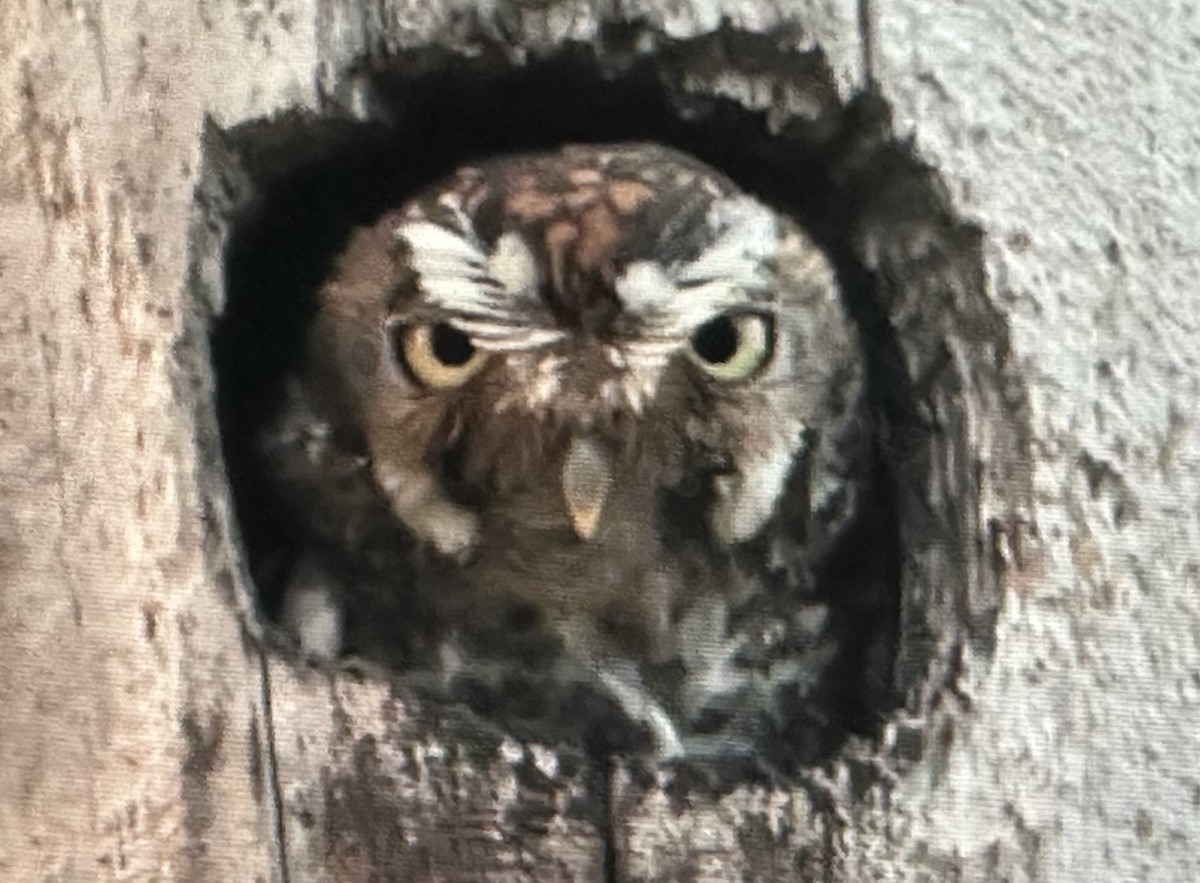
1065 129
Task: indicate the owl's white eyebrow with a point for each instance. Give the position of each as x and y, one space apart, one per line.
747 237
457 277
667 311
732 270
457 282
506 338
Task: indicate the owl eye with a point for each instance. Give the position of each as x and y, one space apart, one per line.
438 355
733 346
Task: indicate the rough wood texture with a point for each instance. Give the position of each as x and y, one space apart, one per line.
134 741
131 717
1065 129
370 794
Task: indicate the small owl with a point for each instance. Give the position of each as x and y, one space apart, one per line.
573 433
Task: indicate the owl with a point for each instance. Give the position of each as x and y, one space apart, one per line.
572 435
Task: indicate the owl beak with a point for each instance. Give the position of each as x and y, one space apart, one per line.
586 478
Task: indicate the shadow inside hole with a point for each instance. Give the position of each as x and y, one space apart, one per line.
316 179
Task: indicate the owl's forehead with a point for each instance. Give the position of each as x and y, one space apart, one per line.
590 206
586 231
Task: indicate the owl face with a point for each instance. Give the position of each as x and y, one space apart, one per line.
560 336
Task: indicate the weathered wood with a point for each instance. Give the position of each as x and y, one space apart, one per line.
361 739
135 737
1064 129
752 833
374 789
131 723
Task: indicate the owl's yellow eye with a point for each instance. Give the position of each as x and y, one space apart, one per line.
439 355
734 345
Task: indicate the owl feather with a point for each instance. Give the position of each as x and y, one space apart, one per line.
553 421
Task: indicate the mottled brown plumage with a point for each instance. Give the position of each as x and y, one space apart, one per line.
545 402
